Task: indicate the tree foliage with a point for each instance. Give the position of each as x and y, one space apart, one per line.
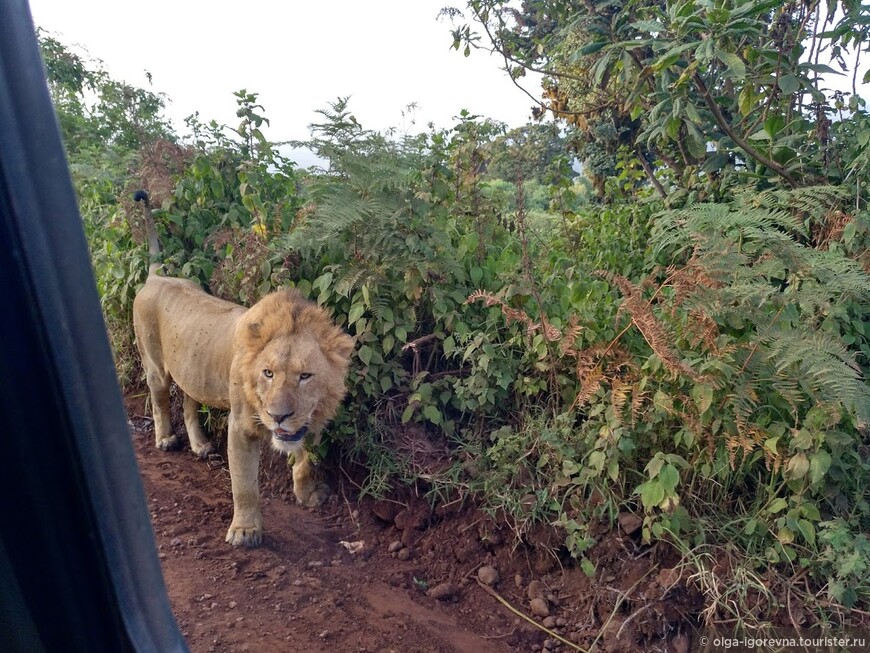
703 93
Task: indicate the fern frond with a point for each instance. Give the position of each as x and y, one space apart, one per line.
651 328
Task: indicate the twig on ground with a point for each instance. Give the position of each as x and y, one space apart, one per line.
522 615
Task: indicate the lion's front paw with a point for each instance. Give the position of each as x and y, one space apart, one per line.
312 495
249 536
168 444
203 451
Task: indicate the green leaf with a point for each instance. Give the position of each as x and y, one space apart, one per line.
693 114
651 493
807 530
810 511
671 57
432 413
746 100
797 467
365 354
592 48
407 414
777 505
702 395
849 232
651 26
669 478
774 125
820 463
736 67
788 84
322 282
654 466
696 142
613 470
355 313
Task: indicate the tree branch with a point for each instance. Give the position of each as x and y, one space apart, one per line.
741 142
650 174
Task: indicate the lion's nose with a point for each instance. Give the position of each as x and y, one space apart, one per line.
280 418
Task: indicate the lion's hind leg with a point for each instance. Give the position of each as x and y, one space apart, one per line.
163 437
199 443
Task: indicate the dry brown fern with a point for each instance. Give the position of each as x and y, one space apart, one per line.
652 330
511 314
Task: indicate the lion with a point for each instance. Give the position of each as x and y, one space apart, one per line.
279 367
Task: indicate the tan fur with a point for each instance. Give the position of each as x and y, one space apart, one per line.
219 354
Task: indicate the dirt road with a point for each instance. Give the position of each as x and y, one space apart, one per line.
375 577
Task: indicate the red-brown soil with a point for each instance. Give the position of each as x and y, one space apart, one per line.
306 590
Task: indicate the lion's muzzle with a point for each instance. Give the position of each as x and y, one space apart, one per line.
287 436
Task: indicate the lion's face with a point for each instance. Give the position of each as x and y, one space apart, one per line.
293 362
293 382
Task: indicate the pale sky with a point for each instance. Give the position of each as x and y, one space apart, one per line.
297 55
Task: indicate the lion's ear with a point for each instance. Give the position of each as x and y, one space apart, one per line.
254 330
343 344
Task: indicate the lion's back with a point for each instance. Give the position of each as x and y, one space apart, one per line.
188 334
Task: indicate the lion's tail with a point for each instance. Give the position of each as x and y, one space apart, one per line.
150 230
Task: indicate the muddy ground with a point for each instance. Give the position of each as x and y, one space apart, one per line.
392 575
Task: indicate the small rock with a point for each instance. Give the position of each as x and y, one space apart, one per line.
549 622
175 541
232 604
536 590
518 580
680 643
444 592
409 519
629 522
539 607
403 554
667 578
386 511
488 575
395 546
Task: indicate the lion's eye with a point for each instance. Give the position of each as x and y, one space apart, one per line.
305 375
268 373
